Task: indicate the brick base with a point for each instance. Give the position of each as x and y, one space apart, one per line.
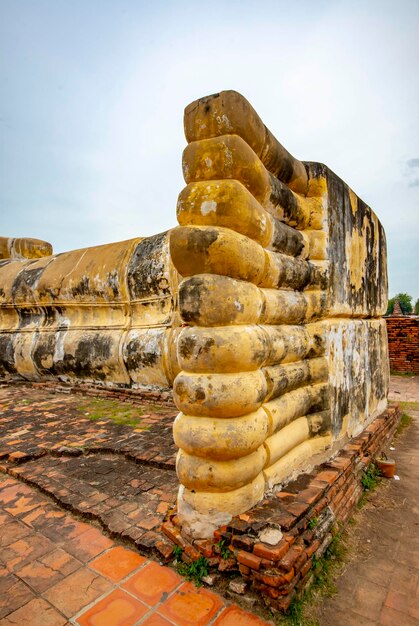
307 513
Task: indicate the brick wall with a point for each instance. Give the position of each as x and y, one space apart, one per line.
403 344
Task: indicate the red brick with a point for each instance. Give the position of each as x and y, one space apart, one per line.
288 561
272 553
191 552
205 547
312 547
251 560
328 476
16 457
275 580
306 567
173 533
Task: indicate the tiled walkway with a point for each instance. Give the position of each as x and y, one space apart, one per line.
119 475
56 570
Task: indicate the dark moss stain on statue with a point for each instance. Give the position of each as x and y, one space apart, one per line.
30 315
7 355
191 294
319 424
286 239
25 282
92 355
44 352
112 279
52 315
283 197
146 269
137 358
344 224
82 288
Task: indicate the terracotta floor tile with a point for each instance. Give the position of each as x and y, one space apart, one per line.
190 606
7 580
23 504
60 561
9 492
152 583
42 516
117 563
43 573
117 609
390 617
235 616
87 545
67 528
156 620
77 590
397 601
12 531
37 612
17 595
368 600
25 550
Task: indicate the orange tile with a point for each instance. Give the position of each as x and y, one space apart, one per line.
156 620
117 563
235 616
152 582
117 609
190 606
76 591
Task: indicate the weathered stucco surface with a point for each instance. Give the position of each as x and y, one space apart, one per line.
284 279
103 315
261 309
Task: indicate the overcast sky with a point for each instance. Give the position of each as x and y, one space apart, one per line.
93 92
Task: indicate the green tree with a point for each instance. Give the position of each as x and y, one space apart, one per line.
416 309
405 303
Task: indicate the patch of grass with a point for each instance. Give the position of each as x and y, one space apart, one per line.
405 421
156 408
118 412
195 571
405 374
370 478
223 549
177 553
296 615
414 406
313 523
